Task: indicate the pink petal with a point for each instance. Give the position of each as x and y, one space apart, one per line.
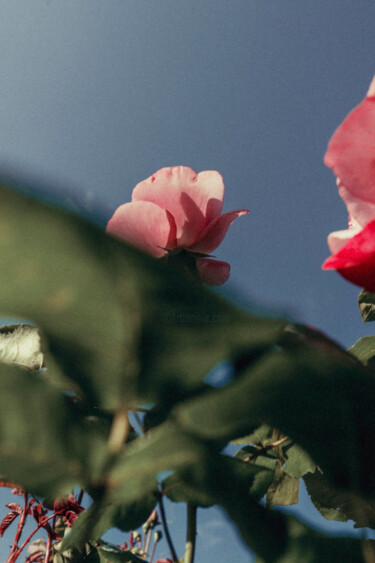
338 239
193 199
356 260
213 272
361 212
144 225
215 232
351 150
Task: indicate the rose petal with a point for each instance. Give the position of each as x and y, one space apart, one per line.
213 272
356 260
351 150
193 199
362 212
215 232
338 239
144 225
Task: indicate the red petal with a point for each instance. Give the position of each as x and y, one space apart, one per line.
144 225
213 272
193 199
356 260
215 232
351 150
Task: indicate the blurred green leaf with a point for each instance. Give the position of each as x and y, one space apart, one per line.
101 516
335 504
366 302
260 436
62 279
112 315
45 444
308 546
177 487
324 403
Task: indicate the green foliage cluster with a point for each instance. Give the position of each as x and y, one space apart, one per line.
119 330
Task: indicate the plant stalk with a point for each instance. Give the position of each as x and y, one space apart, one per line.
191 533
166 531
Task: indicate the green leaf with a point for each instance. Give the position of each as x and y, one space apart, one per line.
61 269
177 487
335 504
45 444
112 315
109 554
308 546
87 553
257 456
283 490
319 400
366 302
229 483
101 516
260 436
364 350
297 461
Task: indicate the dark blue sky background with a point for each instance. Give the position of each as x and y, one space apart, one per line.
96 95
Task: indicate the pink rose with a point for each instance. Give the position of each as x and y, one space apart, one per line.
177 209
351 155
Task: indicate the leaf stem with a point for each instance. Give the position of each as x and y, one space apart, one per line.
119 431
191 533
165 528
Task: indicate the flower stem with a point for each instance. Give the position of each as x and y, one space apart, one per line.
191 533
166 531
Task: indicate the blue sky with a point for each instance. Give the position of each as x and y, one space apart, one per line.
96 95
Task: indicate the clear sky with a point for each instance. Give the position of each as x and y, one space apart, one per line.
96 95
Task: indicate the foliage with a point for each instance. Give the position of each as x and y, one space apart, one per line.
120 329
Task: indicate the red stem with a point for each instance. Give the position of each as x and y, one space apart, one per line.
48 548
21 524
17 553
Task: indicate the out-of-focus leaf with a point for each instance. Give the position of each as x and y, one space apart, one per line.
364 350
366 302
20 344
228 482
45 445
101 516
306 545
322 402
260 436
61 272
178 489
335 504
112 315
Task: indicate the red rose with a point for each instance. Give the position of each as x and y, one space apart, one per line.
351 155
